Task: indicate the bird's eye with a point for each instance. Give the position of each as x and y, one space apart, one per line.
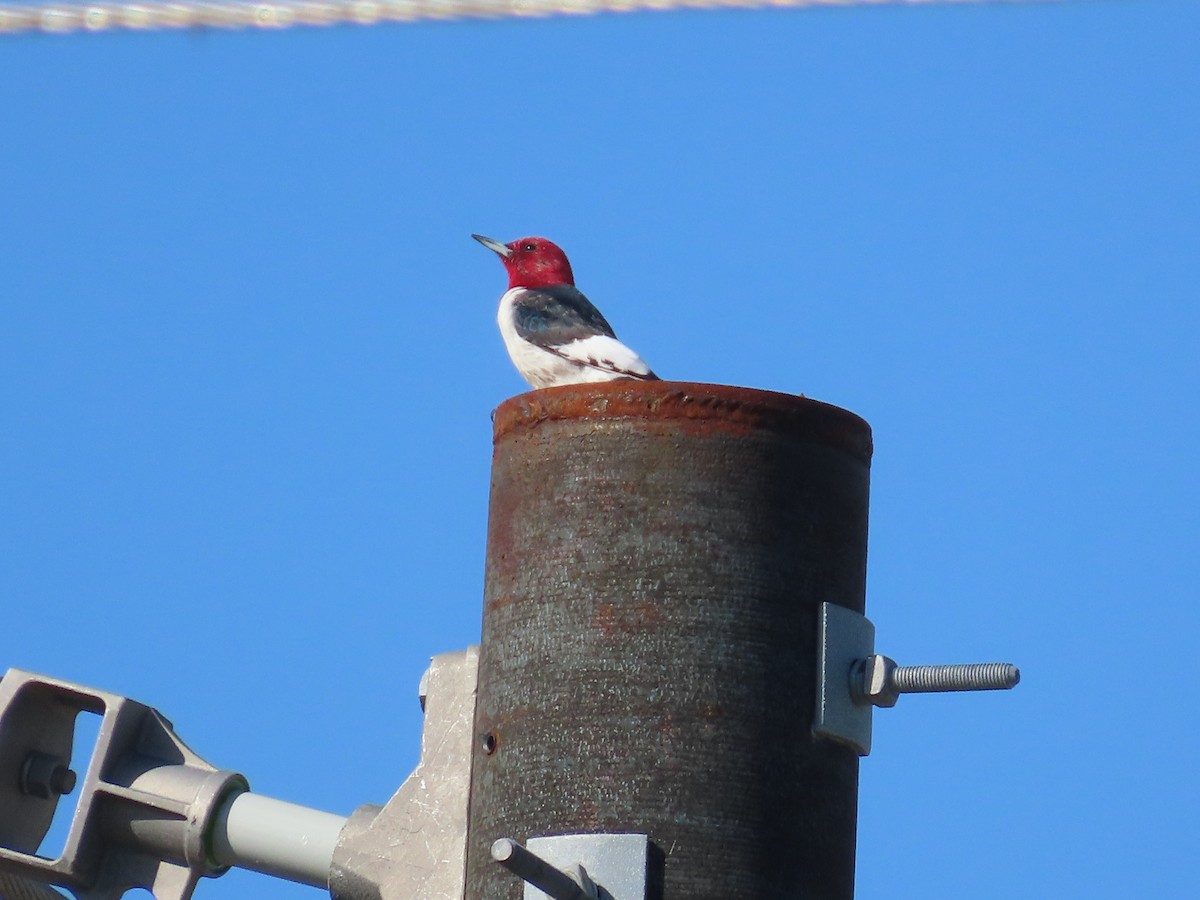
529 248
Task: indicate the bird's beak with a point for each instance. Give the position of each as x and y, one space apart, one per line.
493 245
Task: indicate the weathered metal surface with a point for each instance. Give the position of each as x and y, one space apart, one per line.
657 556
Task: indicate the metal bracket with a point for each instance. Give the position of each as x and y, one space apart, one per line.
852 679
146 802
415 847
578 866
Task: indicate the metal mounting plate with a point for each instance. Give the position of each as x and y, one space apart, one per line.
615 862
845 638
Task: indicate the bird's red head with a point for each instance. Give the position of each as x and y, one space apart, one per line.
531 262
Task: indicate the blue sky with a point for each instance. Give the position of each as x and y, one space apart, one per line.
249 356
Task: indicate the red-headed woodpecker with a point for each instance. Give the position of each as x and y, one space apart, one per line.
552 332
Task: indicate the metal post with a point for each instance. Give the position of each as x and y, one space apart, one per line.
657 556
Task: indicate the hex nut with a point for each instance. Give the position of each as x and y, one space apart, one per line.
878 685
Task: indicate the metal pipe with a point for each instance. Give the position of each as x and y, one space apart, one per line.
658 553
276 838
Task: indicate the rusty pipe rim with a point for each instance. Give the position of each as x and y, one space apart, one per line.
694 407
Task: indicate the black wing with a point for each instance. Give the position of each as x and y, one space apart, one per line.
557 315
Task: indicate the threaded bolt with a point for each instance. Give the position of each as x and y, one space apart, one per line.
968 677
878 681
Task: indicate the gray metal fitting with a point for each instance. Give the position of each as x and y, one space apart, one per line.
853 678
146 801
151 813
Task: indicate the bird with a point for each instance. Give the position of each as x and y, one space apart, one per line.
552 332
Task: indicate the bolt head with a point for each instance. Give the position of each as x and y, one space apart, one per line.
46 776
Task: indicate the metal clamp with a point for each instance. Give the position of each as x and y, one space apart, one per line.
852 678
578 866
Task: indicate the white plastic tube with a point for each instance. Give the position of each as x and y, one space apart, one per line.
276 838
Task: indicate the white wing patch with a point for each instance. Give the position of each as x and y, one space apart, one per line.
605 354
